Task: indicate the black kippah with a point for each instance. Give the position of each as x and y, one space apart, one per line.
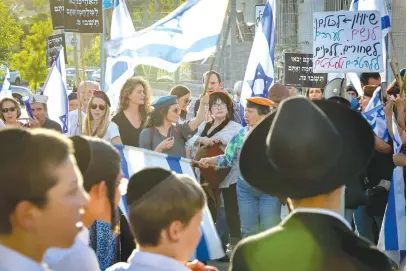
144 181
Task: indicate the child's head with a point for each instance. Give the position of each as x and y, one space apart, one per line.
41 194
165 210
99 163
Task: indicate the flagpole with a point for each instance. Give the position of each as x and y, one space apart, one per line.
83 70
75 51
217 46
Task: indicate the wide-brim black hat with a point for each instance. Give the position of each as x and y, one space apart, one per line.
306 149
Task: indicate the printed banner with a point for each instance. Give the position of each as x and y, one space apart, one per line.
298 72
83 16
54 44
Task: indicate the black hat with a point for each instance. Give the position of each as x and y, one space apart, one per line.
144 181
306 148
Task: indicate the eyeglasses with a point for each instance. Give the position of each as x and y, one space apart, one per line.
219 106
101 106
11 109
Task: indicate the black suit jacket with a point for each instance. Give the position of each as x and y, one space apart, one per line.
308 242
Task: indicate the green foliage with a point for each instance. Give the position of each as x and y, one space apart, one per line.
31 60
10 33
92 56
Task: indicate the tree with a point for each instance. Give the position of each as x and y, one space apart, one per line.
10 33
31 60
92 56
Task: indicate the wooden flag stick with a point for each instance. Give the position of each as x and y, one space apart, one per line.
78 81
394 59
84 79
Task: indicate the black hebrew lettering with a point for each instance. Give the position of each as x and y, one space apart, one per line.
83 16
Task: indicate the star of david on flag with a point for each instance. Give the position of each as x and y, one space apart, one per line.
259 76
55 89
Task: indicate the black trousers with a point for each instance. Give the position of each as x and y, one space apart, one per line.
232 211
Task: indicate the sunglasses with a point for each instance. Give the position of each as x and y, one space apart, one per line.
187 101
101 106
11 109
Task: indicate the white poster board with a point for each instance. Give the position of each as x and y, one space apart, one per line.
258 14
347 41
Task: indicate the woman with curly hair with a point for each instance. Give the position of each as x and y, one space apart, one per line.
10 112
135 97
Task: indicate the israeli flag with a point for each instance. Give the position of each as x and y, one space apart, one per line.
379 5
56 90
189 33
135 159
392 239
259 76
5 84
374 114
121 68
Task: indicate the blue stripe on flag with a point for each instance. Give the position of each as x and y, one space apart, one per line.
390 225
202 251
170 53
268 29
123 162
174 163
385 22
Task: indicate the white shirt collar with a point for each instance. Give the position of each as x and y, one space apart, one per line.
324 212
156 261
13 260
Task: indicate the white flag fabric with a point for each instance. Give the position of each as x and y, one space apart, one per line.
189 33
5 84
392 239
259 76
118 69
135 159
374 114
56 90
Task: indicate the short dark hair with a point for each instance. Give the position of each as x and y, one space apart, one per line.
26 170
219 96
209 73
261 109
365 76
175 198
353 89
156 117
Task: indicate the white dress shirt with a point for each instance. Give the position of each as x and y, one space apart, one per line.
73 122
323 212
145 261
78 257
11 260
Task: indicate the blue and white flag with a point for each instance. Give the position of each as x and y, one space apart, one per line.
56 90
135 159
189 33
121 68
392 239
5 84
374 114
259 76
379 5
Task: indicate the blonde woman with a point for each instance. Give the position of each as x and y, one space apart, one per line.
135 104
97 121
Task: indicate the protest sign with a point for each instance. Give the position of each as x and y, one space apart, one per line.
298 72
57 14
83 16
54 44
347 41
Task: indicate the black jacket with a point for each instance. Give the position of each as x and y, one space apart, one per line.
308 242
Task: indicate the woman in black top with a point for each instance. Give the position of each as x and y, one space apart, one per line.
135 97
135 103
